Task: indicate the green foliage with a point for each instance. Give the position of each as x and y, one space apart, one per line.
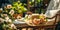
32 2
37 3
18 7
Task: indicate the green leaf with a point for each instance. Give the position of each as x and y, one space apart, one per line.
39 0
19 7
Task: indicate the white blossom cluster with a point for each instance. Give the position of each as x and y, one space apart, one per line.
7 23
6 20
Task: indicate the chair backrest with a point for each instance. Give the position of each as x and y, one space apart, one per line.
56 16
57 19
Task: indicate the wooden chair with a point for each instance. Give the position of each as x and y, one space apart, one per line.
41 27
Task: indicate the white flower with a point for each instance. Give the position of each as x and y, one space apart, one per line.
13 26
11 12
6 18
9 6
1 20
1 9
10 21
19 17
4 15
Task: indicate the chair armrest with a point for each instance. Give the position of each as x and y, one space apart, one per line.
51 17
